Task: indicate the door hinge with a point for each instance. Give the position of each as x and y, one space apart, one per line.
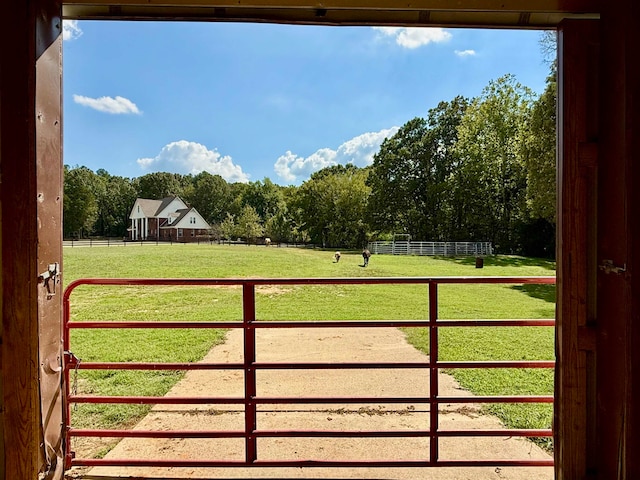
50 278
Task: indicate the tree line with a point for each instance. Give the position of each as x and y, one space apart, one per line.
479 169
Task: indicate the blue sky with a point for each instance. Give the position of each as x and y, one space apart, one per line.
249 101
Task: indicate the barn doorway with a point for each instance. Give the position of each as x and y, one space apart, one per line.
84 104
21 177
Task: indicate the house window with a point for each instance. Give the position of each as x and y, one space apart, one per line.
193 232
179 232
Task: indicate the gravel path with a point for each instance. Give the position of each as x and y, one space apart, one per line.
299 345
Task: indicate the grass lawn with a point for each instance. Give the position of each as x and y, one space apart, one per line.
300 302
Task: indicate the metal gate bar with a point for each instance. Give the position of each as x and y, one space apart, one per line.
250 400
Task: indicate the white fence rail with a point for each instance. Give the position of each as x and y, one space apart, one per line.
445 249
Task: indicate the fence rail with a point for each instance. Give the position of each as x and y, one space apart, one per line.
119 242
250 401
443 249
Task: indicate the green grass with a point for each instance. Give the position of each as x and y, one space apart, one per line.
301 303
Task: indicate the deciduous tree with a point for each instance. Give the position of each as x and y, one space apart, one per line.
490 181
210 195
410 176
540 154
248 224
80 209
159 185
332 206
115 199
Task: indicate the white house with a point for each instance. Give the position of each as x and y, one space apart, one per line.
169 219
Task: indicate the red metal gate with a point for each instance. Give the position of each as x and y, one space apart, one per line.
251 401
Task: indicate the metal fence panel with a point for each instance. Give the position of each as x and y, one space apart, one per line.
250 365
444 249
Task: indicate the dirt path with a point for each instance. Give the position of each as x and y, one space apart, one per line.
296 345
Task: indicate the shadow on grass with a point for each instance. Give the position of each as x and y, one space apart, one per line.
541 292
504 261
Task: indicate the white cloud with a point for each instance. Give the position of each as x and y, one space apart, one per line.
359 151
191 157
117 105
290 166
414 37
70 30
465 53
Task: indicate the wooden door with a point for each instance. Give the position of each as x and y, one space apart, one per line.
31 239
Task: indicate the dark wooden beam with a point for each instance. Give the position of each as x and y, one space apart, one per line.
30 146
567 6
19 295
576 263
493 13
618 340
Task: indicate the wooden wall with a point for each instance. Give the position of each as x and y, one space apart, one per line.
598 335
618 246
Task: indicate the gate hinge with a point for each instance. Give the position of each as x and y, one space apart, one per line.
50 278
608 266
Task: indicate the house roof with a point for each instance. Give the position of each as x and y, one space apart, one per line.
163 203
149 207
153 208
179 215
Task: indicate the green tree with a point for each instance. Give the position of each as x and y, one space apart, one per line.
490 182
410 175
444 121
228 228
279 228
159 185
115 199
396 179
540 154
236 197
265 197
332 206
538 230
248 224
210 195
80 210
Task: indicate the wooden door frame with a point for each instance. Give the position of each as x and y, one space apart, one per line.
575 252
599 302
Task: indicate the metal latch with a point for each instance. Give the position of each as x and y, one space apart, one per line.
609 267
50 278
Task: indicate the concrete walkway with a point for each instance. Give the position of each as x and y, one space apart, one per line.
313 345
